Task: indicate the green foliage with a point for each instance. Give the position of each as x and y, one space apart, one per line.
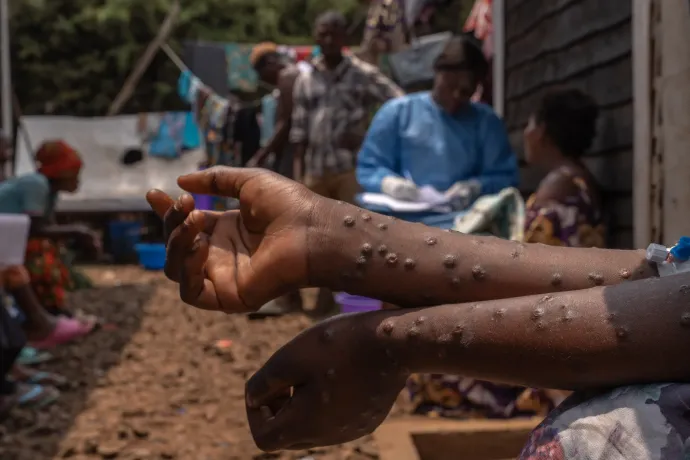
74 55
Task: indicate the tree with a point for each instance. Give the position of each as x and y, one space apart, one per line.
71 57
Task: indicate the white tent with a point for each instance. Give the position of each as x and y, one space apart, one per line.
106 183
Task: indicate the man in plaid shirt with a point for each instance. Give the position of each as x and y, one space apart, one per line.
332 104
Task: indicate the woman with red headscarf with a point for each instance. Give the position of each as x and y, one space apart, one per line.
35 194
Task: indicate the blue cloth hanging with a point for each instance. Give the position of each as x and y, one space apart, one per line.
177 131
269 105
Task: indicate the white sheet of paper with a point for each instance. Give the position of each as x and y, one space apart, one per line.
429 200
14 229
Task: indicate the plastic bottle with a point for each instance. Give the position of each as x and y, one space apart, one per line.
670 261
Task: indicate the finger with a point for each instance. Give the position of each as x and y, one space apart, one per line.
159 201
195 289
177 214
180 241
219 180
287 428
279 375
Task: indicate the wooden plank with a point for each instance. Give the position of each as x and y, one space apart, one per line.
144 61
572 24
614 132
612 172
420 438
642 92
527 14
596 51
609 86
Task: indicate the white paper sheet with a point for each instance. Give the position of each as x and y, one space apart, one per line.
429 199
14 229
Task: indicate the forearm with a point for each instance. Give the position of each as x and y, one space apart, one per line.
630 333
410 264
280 138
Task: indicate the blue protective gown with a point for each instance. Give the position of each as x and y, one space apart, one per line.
413 137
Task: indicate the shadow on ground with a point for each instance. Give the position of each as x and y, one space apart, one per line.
38 435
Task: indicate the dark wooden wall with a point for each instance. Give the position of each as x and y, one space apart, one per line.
586 44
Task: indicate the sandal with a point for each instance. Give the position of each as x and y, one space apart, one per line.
30 355
26 375
66 330
29 396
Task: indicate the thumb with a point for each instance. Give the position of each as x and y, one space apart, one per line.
219 181
274 380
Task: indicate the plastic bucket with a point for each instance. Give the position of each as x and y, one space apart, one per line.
203 202
356 304
151 256
123 237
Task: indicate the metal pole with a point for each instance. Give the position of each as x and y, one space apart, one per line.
5 71
499 59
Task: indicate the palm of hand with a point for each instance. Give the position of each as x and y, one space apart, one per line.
343 386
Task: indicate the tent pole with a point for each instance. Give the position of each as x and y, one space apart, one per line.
5 71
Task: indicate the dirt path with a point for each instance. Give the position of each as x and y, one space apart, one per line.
153 385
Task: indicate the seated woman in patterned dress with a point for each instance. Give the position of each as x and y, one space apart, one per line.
566 208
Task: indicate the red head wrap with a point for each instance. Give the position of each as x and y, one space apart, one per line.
57 159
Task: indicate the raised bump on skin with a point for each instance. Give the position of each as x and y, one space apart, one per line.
500 313
420 320
383 249
366 217
414 332
388 326
478 273
349 221
556 279
449 261
410 263
569 316
596 278
361 261
625 274
537 313
366 249
621 333
383 226
392 259
430 241
455 281
685 320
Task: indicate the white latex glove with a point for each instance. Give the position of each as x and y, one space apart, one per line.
399 188
463 193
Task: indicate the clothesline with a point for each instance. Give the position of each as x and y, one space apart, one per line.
183 68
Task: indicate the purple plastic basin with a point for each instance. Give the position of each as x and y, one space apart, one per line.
203 202
356 304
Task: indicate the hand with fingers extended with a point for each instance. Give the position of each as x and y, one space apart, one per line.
236 261
331 384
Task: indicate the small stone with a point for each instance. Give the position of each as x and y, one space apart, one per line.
449 261
410 264
349 221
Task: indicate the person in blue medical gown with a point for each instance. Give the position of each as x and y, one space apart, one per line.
440 138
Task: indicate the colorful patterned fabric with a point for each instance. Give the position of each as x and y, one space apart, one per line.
50 276
501 215
438 395
241 75
386 28
334 126
642 422
573 221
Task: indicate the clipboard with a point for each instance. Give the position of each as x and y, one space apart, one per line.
14 235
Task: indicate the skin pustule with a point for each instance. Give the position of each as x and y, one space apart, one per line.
411 265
